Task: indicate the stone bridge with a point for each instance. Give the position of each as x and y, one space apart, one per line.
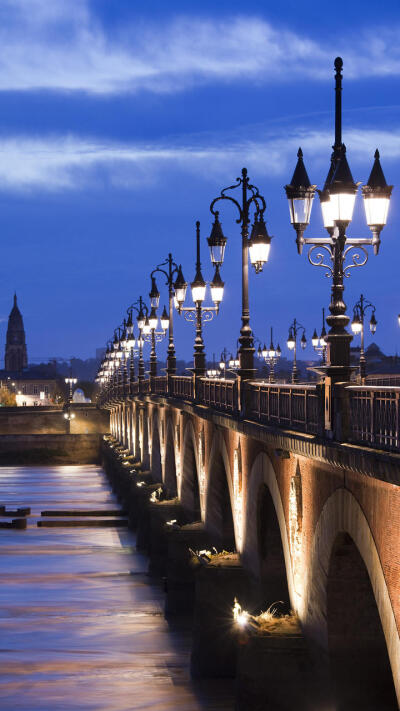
313 516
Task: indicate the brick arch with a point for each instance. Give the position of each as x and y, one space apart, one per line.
155 463
219 506
190 486
340 515
169 469
262 483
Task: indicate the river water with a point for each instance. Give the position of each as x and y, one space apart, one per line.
81 624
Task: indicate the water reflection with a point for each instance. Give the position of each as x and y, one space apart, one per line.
80 625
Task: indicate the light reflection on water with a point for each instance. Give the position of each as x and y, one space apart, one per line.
80 625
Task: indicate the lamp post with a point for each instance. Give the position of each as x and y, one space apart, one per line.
71 382
155 336
319 344
144 329
258 246
357 326
337 202
170 272
270 356
294 330
199 313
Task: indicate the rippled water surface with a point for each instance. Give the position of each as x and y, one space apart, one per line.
81 625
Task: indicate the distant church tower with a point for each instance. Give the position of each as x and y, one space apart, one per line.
16 357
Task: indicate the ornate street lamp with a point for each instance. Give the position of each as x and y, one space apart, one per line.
357 326
199 313
155 336
270 356
167 320
71 382
337 203
319 344
294 330
257 246
144 329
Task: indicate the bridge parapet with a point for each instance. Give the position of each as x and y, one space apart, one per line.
374 415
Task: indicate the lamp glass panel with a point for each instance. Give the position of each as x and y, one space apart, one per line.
180 294
153 321
300 210
376 210
356 327
327 218
217 293
290 344
342 206
259 252
164 323
198 292
217 253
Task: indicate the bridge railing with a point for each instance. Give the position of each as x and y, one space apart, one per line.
297 406
182 386
221 394
159 384
374 415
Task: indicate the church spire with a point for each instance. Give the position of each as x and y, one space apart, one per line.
16 357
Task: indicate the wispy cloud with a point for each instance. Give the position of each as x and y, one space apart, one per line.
61 45
71 162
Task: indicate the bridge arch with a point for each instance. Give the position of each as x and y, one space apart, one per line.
190 489
347 611
169 478
266 550
219 506
155 463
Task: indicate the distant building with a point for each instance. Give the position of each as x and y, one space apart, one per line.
16 356
30 389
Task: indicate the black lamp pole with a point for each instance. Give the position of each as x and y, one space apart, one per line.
359 313
337 202
198 313
170 273
294 330
258 244
142 312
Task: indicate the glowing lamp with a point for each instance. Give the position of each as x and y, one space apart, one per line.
154 294
259 244
164 319
217 288
356 325
180 287
153 319
290 341
217 242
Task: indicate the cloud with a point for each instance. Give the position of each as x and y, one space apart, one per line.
58 163
61 45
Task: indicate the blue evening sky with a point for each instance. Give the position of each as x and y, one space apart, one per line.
121 120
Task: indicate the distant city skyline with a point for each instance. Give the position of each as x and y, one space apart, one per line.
119 124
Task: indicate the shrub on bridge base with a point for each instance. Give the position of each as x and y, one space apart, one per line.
180 578
214 635
274 669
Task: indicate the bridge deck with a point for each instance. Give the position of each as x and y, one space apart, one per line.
80 625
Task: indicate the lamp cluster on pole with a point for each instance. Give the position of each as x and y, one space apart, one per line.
199 313
337 199
257 247
319 344
270 356
294 331
357 326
